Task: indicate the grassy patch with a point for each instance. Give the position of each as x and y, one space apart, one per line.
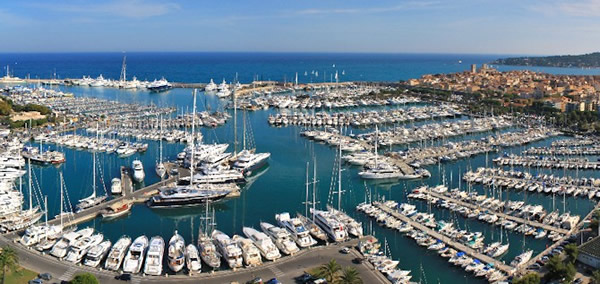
19 277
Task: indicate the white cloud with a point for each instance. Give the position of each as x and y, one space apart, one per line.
406 6
576 8
136 9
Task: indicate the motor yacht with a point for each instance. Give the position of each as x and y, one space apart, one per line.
192 259
176 252
138 171
296 229
135 256
280 237
117 253
230 251
154 257
330 225
264 244
250 252
96 254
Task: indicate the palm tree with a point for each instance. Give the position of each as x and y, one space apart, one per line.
350 276
9 260
329 270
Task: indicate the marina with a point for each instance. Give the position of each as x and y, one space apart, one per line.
241 162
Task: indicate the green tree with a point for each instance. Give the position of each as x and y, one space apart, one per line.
572 252
569 273
556 268
595 279
350 276
9 260
85 278
330 270
529 278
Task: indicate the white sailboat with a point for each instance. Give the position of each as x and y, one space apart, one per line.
160 168
93 199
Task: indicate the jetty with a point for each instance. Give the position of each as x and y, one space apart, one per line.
448 241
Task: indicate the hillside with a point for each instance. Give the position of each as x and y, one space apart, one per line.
583 60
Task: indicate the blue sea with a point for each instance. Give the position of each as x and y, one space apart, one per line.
281 186
201 67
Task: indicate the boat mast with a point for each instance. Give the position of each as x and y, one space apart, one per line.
193 139
124 70
160 136
376 142
306 200
234 121
61 200
314 191
29 174
244 134
340 172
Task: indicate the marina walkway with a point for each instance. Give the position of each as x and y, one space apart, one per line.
499 214
448 241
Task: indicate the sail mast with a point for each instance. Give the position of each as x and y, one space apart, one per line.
61 200
193 140
314 189
306 200
30 191
340 172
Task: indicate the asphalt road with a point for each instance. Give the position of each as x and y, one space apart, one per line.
286 270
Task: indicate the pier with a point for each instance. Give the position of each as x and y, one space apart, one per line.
500 214
458 246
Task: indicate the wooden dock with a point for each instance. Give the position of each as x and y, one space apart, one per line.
448 241
499 214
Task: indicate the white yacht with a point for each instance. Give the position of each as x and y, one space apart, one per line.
381 171
230 251
353 227
192 259
218 176
154 258
81 246
211 86
159 85
61 247
115 186
176 252
135 256
161 170
296 228
332 227
208 251
34 234
264 244
138 171
281 238
96 254
522 258
223 85
247 162
250 252
117 253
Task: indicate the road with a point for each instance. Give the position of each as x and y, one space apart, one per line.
286 269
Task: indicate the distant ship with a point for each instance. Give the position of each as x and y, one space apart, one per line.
159 85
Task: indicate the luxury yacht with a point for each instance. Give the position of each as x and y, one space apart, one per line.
34 234
138 171
332 227
61 248
381 172
117 253
211 86
230 251
159 85
353 227
247 162
208 251
192 259
96 254
81 246
250 252
313 228
296 228
264 244
161 171
135 256
188 195
154 257
281 238
176 252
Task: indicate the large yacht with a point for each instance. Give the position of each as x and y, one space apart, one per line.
208 251
117 253
247 162
381 171
176 252
192 259
250 252
211 86
138 170
159 85
313 228
264 244
281 238
61 248
81 246
230 251
96 254
218 176
296 228
135 256
154 258
353 227
332 227
187 196
35 234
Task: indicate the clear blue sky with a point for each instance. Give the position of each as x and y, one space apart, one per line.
428 26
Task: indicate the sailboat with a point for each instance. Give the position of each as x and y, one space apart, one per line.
93 199
248 160
208 250
160 166
27 217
